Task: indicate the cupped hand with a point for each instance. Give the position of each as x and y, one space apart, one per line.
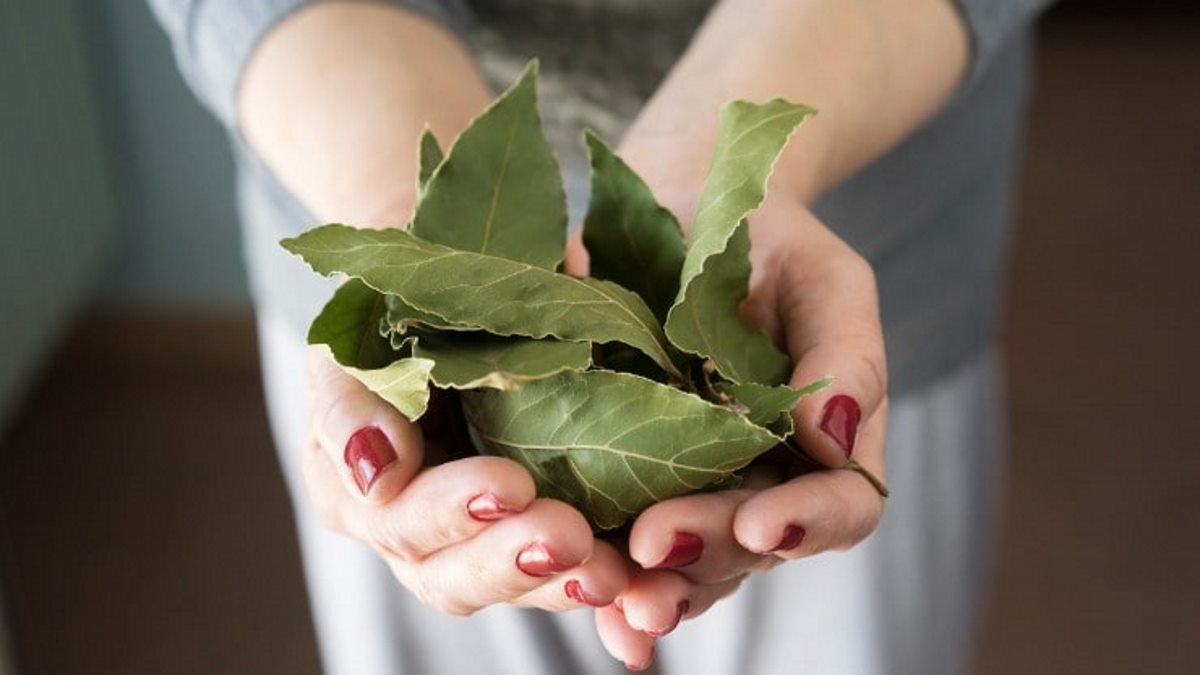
459 535
817 299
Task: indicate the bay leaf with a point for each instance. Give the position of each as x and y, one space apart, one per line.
403 383
498 191
630 238
401 316
769 407
429 157
612 444
501 296
475 360
347 326
704 318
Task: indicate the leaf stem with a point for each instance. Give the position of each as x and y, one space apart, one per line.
850 465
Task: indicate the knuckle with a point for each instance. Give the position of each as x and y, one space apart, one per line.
435 596
387 537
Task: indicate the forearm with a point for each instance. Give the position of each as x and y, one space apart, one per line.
335 98
875 70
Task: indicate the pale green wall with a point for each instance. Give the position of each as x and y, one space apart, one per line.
180 245
116 188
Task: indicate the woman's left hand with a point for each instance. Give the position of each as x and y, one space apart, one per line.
816 297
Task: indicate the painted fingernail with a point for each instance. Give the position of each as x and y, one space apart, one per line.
683 607
537 561
486 507
368 453
840 421
574 590
686 549
792 536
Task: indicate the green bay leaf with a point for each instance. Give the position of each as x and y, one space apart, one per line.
498 191
403 383
429 157
500 296
612 444
474 360
766 406
348 327
630 238
704 318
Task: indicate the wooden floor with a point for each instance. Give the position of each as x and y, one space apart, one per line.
144 528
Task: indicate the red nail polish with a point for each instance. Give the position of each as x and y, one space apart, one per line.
537 561
792 536
682 609
685 550
368 453
485 507
574 591
840 421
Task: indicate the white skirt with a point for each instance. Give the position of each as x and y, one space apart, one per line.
906 601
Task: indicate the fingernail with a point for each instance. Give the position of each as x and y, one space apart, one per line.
537 561
686 549
368 453
840 421
683 607
792 536
574 590
486 507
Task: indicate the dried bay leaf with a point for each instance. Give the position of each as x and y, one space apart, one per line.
498 191
501 296
704 318
630 238
612 444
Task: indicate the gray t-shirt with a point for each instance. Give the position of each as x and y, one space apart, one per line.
933 216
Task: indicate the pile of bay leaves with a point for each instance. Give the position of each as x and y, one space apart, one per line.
616 391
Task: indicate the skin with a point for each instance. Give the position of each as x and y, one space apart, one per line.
334 100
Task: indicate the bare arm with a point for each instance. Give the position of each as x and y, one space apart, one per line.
875 69
335 98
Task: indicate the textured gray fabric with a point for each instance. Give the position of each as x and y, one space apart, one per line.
993 24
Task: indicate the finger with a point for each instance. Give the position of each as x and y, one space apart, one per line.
693 535
628 645
505 561
658 600
595 583
828 304
446 505
825 510
577 259
376 449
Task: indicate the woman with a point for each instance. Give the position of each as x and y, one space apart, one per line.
888 216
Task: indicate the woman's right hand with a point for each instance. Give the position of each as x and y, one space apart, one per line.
460 535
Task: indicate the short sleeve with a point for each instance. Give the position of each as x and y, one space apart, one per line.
214 39
992 25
